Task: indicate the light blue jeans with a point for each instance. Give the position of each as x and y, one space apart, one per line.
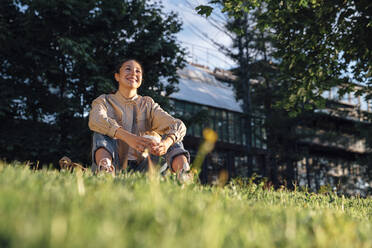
111 145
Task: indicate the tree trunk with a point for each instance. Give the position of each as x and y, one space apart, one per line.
244 76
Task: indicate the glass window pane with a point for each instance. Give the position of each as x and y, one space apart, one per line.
224 115
264 137
197 130
180 107
244 136
189 109
258 136
254 132
238 129
211 118
225 127
219 124
197 108
231 127
190 130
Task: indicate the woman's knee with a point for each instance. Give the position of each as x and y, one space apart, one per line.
103 147
176 150
102 153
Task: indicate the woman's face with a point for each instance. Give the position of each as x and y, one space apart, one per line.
130 75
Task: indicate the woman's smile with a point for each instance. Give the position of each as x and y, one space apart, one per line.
132 79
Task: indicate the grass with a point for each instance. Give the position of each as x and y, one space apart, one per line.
48 208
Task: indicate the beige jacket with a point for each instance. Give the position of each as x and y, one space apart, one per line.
109 112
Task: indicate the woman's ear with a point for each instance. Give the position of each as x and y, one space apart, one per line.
116 75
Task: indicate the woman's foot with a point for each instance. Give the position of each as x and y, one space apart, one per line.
106 165
185 175
181 167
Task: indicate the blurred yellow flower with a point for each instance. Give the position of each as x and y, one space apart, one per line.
210 135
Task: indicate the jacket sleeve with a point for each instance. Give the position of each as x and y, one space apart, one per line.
164 124
99 121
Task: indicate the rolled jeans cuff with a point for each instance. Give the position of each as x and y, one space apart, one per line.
175 150
109 144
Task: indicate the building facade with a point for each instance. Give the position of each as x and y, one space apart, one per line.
330 145
337 152
203 101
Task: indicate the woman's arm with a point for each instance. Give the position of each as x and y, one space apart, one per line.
164 124
99 121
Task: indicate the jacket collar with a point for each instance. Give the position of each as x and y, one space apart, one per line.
124 99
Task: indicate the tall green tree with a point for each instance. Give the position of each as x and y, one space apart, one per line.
282 49
57 56
260 90
320 44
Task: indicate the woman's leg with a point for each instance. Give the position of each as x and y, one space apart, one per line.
104 159
104 150
102 153
177 157
177 160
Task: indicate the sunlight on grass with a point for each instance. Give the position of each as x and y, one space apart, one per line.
48 208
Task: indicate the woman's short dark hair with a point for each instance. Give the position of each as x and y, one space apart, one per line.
122 61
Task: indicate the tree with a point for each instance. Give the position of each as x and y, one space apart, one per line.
254 55
57 56
320 44
283 86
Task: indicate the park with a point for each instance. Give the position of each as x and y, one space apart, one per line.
276 147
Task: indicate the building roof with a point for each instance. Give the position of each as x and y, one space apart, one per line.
199 85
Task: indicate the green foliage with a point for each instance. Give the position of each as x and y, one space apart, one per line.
57 56
298 50
204 10
262 95
48 208
319 44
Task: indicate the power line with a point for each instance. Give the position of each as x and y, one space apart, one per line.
207 49
210 55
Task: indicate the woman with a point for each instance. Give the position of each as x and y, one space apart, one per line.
120 120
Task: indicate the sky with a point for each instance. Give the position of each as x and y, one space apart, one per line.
200 50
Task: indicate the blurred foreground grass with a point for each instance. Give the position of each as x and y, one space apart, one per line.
48 208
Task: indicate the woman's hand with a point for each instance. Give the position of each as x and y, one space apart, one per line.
136 142
162 147
140 143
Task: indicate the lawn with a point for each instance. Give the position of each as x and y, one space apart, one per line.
48 208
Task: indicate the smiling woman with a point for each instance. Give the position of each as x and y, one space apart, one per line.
120 120
129 76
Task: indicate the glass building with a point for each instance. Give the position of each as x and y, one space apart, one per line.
205 101
337 150
202 102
